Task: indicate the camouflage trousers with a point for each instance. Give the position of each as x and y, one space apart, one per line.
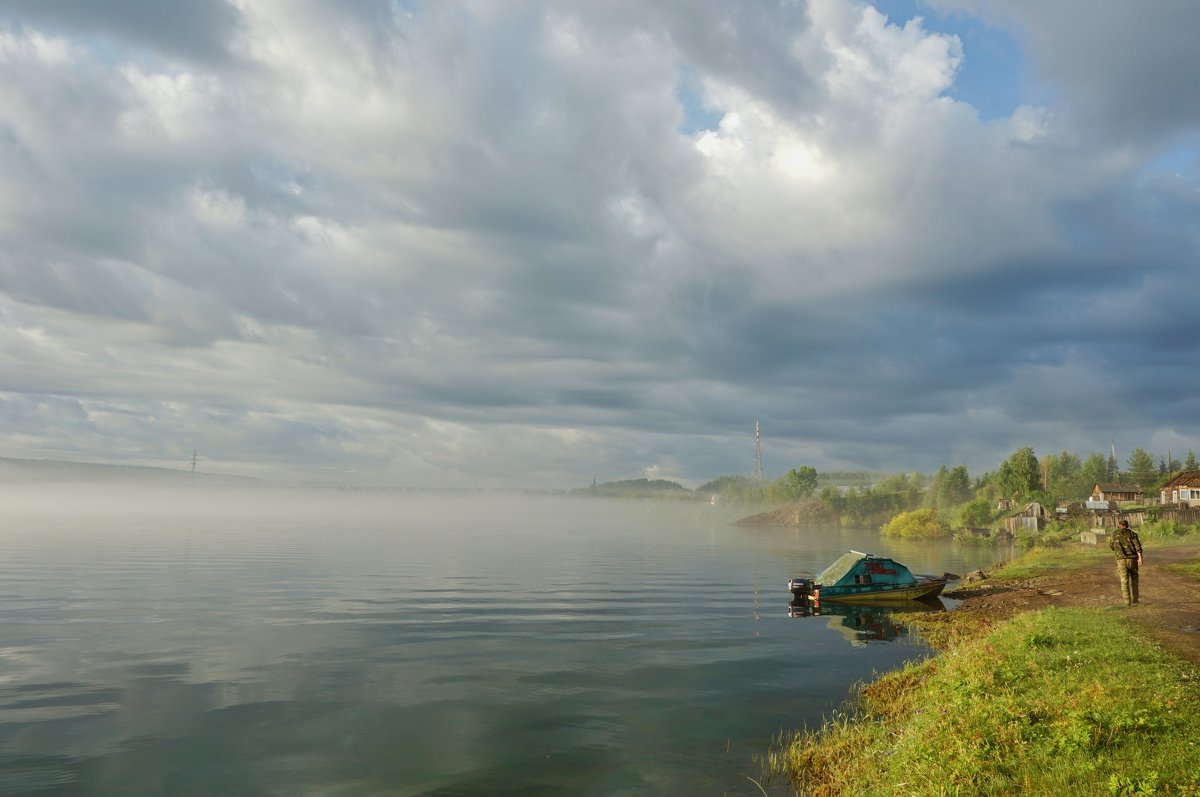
1127 571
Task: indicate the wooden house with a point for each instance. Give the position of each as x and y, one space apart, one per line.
1118 493
1184 489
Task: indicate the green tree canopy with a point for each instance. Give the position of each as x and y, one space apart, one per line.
977 512
1142 469
724 484
1095 470
950 487
1065 479
799 484
1019 475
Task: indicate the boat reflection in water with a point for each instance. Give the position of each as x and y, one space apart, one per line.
861 623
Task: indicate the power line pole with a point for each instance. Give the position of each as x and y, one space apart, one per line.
757 475
193 464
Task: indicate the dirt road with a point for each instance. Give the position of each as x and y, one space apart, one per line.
1168 611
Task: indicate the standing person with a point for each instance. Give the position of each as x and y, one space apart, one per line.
1128 548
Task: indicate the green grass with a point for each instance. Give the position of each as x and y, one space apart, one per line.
1040 561
1189 569
1167 531
1057 702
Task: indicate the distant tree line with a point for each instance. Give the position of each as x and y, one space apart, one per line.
950 495
638 488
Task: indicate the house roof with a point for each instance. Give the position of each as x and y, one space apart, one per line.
1119 488
1189 478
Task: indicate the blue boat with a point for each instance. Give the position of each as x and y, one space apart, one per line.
867 578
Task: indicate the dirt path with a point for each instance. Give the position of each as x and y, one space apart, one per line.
1168 610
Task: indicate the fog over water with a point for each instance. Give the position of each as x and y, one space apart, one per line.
272 641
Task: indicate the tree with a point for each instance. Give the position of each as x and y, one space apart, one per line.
1142 469
892 484
1095 470
724 485
977 512
1065 477
800 484
932 498
832 498
1190 462
1019 475
958 485
950 487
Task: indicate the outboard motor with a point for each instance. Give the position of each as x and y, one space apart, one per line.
802 588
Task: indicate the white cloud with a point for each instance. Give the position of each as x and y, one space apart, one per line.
472 242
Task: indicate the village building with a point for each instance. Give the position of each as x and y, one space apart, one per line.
1032 518
1184 489
1079 509
1117 493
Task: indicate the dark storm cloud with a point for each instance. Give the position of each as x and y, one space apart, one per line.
194 29
1129 68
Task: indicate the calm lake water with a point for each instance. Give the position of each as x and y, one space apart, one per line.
344 644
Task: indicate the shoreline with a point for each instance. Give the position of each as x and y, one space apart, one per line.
1038 686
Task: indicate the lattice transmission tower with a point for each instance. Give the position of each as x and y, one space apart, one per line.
757 475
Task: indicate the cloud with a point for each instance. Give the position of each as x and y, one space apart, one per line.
481 243
191 29
1127 70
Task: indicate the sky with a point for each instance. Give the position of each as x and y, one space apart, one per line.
524 243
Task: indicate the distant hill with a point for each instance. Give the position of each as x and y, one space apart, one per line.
52 471
637 488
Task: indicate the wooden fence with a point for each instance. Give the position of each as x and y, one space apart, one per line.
1109 520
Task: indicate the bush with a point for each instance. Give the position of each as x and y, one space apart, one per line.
1165 529
1054 535
917 523
971 538
978 512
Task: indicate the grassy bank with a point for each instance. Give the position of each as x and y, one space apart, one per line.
1061 701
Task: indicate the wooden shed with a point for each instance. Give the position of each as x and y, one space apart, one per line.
1032 518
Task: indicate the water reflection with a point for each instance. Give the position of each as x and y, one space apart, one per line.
861 623
382 644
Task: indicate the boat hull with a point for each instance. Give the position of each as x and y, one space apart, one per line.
871 593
